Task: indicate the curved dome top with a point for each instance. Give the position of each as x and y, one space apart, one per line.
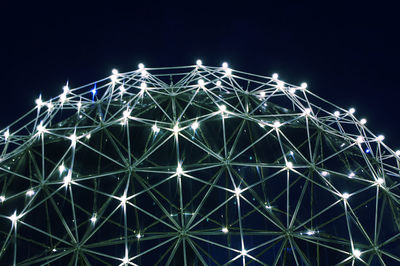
196 165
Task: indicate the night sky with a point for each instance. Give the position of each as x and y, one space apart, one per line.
347 54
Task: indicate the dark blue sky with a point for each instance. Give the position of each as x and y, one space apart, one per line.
347 54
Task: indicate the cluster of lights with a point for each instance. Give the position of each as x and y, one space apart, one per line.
194 126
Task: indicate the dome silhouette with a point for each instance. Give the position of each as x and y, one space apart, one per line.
196 165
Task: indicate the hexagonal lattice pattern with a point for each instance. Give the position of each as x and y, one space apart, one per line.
196 165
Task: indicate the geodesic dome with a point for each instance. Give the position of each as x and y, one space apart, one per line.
196 165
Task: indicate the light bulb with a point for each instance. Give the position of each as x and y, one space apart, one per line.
275 76
195 125
199 62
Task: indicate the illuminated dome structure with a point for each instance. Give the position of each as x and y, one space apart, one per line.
196 165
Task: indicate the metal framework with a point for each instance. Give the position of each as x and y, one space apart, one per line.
196 165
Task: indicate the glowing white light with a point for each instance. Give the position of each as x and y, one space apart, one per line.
93 219
357 253
13 217
262 94
63 98
123 199
50 106
222 108
307 111
289 165
79 105
61 168
73 138
125 260
398 153
88 136
67 178
360 139
2 199
6 134
114 71
303 85
224 230
351 175
218 83
268 207
238 191
275 76
30 193
277 124
65 89
292 90
224 65
380 138
141 66
345 196
122 89
352 110
336 113
363 121
324 173
138 236
201 83
40 128
380 181
310 232
155 128
280 84
176 128
199 62
126 114
143 86
228 71
39 101
244 252
179 170
195 125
